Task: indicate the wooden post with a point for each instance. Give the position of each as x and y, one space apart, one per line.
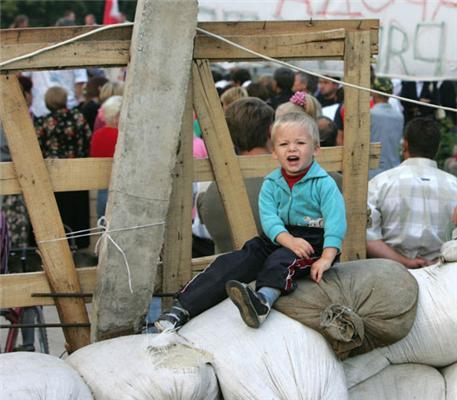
225 165
140 187
356 142
178 236
42 207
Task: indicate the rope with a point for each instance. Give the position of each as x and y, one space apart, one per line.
105 232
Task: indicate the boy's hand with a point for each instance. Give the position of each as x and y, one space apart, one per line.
299 246
318 269
323 264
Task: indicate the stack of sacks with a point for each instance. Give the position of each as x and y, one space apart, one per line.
431 343
281 360
146 367
37 376
358 306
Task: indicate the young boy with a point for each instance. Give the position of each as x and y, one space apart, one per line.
303 218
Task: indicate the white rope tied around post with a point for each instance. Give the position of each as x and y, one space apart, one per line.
103 230
103 224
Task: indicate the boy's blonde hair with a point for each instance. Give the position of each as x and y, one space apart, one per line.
300 119
55 98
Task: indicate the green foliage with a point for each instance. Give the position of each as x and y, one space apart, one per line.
46 13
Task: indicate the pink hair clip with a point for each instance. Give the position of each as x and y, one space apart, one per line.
299 98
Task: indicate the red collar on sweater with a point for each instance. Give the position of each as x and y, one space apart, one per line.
292 180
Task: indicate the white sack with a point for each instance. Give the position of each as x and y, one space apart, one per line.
360 368
402 382
450 380
38 376
449 250
148 366
281 360
433 337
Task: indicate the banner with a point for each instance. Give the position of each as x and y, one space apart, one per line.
417 38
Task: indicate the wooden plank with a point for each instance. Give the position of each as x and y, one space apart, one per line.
356 143
66 175
222 155
42 208
140 188
178 235
315 45
282 27
94 173
110 48
16 289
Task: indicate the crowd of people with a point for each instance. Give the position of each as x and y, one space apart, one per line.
299 207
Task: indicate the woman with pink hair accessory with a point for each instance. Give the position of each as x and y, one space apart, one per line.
300 102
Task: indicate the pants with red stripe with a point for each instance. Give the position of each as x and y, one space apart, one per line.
260 260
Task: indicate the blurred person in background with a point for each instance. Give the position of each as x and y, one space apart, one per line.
92 101
107 90
232 94
300 102
283 80
64 133
21 21
103 142
304 83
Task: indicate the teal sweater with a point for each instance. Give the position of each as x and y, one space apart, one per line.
314 200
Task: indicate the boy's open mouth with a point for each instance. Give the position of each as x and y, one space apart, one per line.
293 158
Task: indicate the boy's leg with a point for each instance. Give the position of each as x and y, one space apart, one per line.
253 306
208 288
281 268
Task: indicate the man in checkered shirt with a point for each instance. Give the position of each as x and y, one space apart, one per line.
412 205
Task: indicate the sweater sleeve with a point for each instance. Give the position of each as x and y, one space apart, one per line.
334 214
272 224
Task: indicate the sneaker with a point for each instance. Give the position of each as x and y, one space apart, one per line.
171 320
251 305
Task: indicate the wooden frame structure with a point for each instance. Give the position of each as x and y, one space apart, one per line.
353 41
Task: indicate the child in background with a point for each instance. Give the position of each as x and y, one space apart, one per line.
303 218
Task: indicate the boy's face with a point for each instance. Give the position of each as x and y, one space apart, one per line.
293 148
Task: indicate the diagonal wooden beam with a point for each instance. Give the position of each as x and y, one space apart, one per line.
224 162
177 252
42 208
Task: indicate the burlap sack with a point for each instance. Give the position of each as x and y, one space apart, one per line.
358 306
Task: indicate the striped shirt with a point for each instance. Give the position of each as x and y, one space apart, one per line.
411 207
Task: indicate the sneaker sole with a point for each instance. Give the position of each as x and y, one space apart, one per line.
239 296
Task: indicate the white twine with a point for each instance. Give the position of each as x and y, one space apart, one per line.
104 231
103 224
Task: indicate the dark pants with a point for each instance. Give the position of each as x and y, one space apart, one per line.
259 259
